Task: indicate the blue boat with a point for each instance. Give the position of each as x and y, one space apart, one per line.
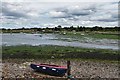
53 70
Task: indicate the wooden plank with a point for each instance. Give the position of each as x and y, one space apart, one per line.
68 70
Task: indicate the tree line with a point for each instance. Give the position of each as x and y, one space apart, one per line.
60 28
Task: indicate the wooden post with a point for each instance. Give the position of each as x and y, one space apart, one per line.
68 70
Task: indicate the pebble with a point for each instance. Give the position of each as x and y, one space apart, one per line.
79 69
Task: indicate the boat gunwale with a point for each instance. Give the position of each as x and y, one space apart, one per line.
51 66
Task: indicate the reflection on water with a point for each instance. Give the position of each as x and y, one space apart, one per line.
47 39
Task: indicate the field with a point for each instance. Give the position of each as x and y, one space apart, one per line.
100 38
58 52
92 34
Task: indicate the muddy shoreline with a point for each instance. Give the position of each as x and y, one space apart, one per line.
19 68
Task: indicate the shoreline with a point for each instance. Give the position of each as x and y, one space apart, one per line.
69 39
79 68
92 66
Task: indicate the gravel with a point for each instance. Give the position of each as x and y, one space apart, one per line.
79 69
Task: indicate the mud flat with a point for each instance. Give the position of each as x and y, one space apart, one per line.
19 68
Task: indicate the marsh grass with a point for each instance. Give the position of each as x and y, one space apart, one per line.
96 35
57 52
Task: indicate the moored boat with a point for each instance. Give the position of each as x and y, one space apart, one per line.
53 70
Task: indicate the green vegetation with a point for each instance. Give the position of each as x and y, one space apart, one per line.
57 52
92 32
83 35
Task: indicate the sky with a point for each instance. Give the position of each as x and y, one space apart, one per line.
18 13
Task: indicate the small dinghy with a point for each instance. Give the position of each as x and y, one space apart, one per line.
53 70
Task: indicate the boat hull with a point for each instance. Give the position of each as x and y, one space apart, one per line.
49 70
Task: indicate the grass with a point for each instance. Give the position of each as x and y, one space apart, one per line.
89 34
57 52
96 35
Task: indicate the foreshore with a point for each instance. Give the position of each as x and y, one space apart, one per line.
20 68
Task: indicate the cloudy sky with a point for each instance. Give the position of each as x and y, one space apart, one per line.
50 14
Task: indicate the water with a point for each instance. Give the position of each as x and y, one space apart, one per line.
47 39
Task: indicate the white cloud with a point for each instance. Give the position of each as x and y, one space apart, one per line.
57 14
108 6
40 14
61 0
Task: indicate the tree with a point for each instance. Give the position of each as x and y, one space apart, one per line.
71 28
59 26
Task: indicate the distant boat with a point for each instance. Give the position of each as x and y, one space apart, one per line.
53 70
